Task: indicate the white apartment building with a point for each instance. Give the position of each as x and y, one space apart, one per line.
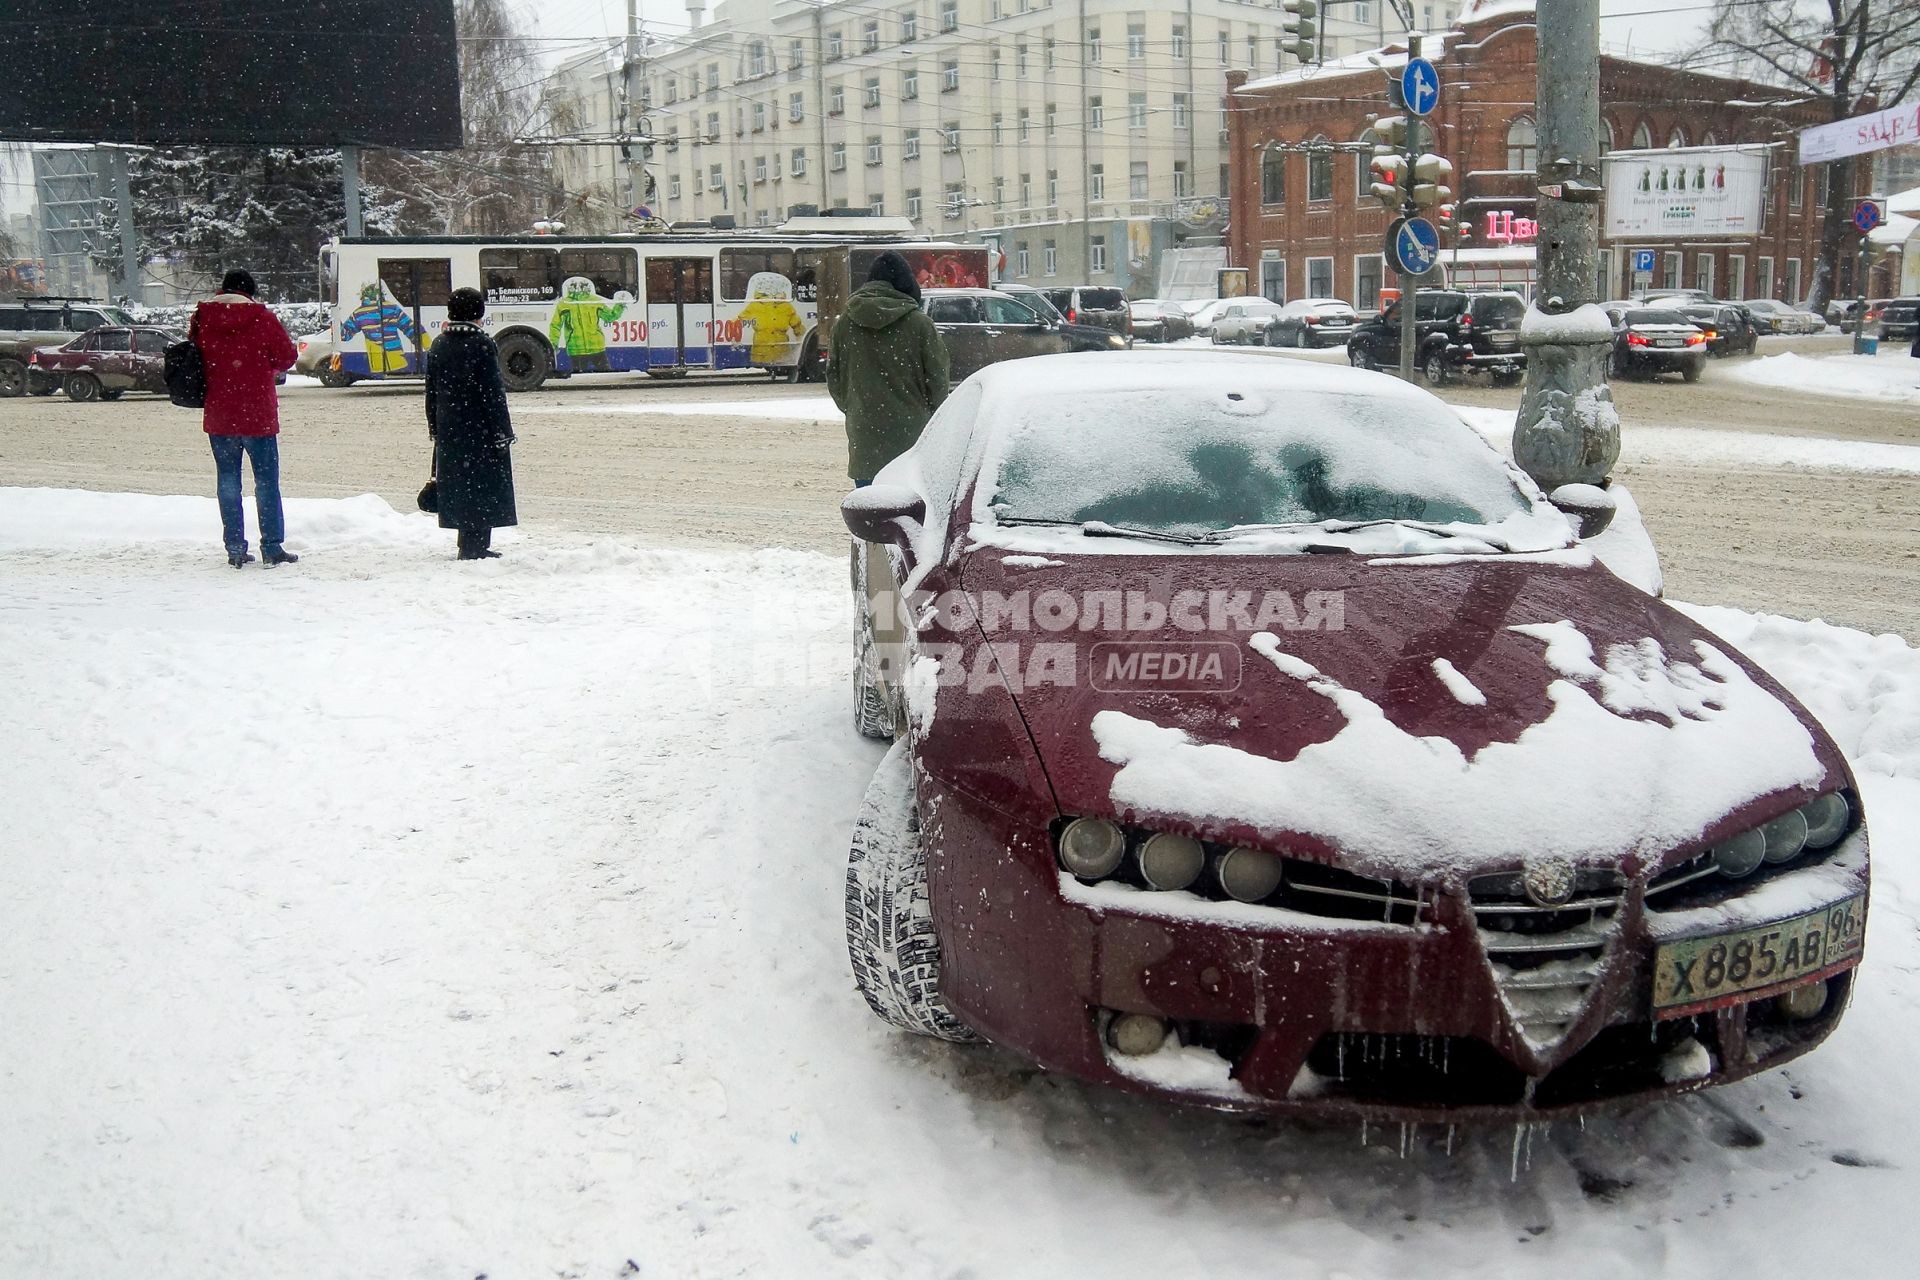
1082 137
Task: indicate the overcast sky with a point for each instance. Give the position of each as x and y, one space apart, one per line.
1647 24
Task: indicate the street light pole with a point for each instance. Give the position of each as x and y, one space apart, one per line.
1568 430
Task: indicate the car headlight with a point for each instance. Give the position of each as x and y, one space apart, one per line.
1116 341
1170 861
1091 848
1247 875
1816 825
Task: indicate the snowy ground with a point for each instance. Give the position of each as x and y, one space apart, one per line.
1890 375
387 916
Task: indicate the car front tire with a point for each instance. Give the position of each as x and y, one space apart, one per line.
1435 369
891 943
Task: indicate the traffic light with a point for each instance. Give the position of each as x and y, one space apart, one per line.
1443 217
1389 186
1429 180
1301 24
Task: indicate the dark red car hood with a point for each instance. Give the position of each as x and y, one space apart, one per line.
1376 632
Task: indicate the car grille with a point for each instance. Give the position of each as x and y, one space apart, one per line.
1546 958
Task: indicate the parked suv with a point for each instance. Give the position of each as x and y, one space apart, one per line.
1457 333
1080 337
31 323
984 326
1093 304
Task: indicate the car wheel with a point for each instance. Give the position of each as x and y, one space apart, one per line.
1691 371
331 377
807 369
13 378
1358 357
1301 340
891 942
525 362
83 387
1435 368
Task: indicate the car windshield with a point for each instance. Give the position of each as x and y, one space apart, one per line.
1657 317
1103 300
116 316
1039 302
1191 463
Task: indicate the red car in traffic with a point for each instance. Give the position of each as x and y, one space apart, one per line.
1265 740
106 363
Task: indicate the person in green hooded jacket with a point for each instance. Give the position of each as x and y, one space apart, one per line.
888 370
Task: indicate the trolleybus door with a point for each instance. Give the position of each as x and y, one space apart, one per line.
416 284
679 311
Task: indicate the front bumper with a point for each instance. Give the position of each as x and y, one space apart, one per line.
1277 1010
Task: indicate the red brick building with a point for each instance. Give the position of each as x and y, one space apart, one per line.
1306 226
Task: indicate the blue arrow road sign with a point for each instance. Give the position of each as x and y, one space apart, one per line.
1413 246
1643 261
1866 215
1420 86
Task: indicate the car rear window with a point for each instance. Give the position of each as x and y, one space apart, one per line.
1103 299
1499 310
1656 317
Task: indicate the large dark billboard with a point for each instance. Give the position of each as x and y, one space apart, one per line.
316 73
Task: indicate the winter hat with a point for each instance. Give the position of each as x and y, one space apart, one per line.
466 305
238 280
892 269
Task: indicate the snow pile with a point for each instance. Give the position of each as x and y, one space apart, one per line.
1891 375
787 409
1665 748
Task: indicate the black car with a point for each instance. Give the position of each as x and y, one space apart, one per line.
1730 329
1651 340
1900 319
1093 304
984 326
1156 321
1080 337
1457 333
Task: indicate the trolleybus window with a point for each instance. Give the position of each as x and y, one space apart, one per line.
739 266
611 270
519 275
418 282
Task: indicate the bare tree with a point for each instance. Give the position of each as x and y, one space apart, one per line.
489 185
1851 55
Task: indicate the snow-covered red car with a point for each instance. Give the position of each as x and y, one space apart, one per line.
1266 740
106 363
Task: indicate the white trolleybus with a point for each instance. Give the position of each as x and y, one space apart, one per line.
660 303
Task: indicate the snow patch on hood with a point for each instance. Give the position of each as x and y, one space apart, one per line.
1657 750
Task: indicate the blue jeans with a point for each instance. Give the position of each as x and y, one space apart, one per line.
265 454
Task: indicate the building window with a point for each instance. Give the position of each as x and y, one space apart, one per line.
1049 258
1273 176
1224 55
1026 125
1096 114
1793 280
1046 53
1026 193
1179 41
759 168
1020 61
1368 272
837 157
873 149
950 136
1523 146
1763 278
1022 260
796 107
1097 253
716 177
1670 275
1182 180
1676 139
949 76
1179 110
870 35
1703 273
913 203
876 204
910 83
870 93
673 90
1273 279
1097 182
799 167
993 64
1093 44
1136 111
796 58
699 181
955 202
1137 180
756 59
1319 277
837 100
713 77
910 145
949 15
673 187
1736 276
1319 171
909 27
759 117
1136 41
998 128
1642 136
713 126
835 51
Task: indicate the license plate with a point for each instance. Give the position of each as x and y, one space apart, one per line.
1502 339
1667 342
1701 973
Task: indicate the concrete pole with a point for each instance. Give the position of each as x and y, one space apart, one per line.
129 235
1568 431
350 186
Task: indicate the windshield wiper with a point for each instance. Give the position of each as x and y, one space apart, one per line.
1101 529
1350 526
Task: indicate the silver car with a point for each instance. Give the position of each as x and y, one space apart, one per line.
1245 321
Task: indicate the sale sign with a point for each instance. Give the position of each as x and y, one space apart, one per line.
1894 127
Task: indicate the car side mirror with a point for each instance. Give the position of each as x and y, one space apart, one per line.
883 513
1590 507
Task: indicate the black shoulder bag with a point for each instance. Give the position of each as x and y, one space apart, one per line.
185 370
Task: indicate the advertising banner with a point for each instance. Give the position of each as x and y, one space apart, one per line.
1894 127
1690 191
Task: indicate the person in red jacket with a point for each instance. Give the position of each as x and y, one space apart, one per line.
243 346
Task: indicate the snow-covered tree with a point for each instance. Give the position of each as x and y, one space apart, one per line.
1851 55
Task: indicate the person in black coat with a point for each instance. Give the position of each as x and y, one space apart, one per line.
467 419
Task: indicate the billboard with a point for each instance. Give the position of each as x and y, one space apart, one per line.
321 73
1691 191
1894 127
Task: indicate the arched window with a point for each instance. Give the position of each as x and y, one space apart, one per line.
1363 172
1642 136
1708 139
1523 145
1273 176
1606 135
1678 138
1319 169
